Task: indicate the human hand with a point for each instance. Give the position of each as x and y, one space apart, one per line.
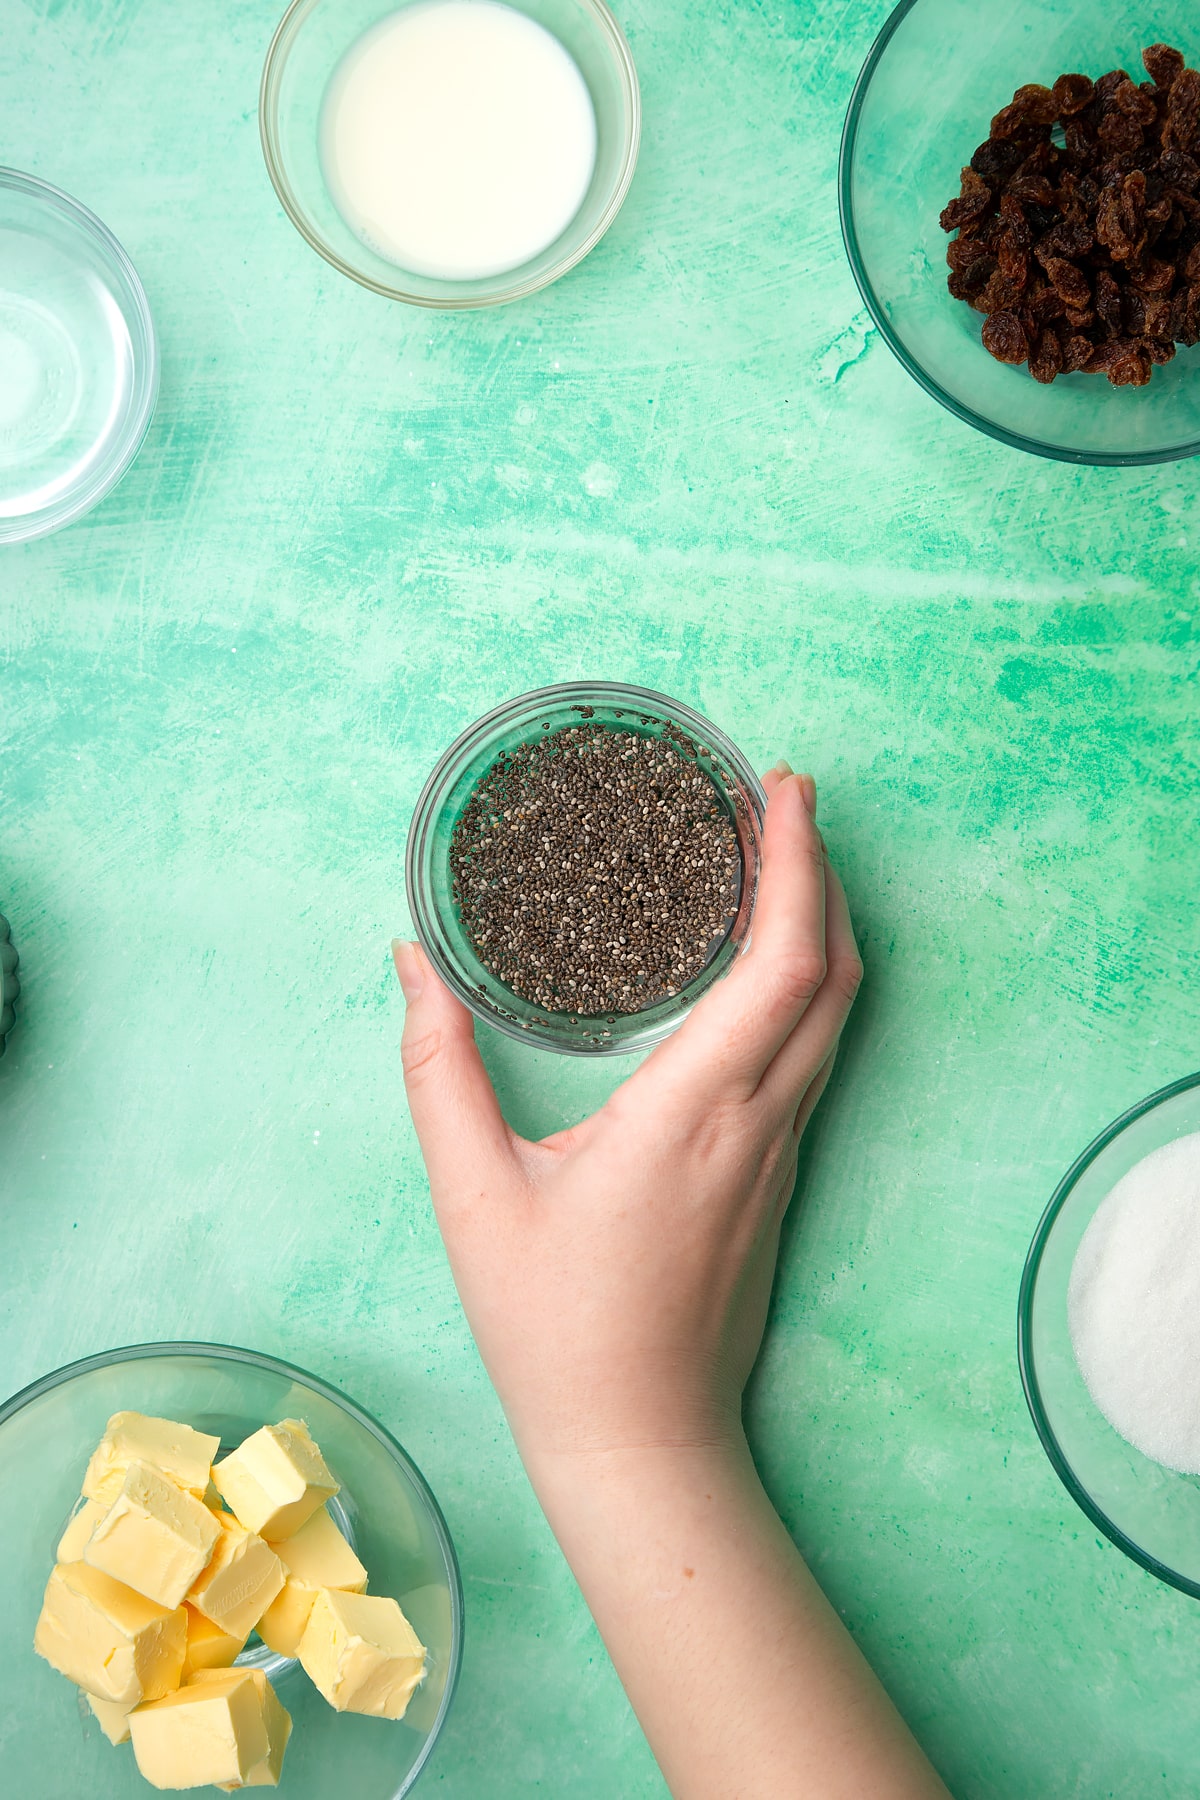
616 1276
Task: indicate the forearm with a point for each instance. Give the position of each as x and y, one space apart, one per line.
743 1677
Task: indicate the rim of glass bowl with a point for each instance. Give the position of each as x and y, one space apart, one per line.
145 365
277 1366
1016 440
268 114
1025 1356
428 810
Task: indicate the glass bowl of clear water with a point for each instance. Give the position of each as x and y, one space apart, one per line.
52 1744
78 359
1149 1511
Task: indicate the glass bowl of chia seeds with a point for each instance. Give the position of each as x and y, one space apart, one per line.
582 865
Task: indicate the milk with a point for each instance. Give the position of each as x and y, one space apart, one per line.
458 138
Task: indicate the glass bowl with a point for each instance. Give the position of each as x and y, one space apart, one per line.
47 1433
937 72
313 37
1150 1512
78 359
450 786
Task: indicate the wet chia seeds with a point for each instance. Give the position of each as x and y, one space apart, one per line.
595 870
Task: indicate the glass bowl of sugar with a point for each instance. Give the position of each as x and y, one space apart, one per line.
1109 1333
450 153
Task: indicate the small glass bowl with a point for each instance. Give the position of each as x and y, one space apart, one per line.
935 75
78 359
1150 1512
440 806
52 1744
312 38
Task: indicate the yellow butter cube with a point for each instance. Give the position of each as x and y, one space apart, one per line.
175 1450
320 1556
202 1734
110 1641
208 1646
362 1653
242 1578
155 1537
316 1556
275 1480
276 1719
113 1717
80 1527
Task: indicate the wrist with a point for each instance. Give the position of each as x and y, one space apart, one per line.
585 1487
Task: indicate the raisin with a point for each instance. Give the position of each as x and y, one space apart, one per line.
1135 104
1077 351
1162 64
1108 84
1033 190
1153 276
1071 94
1108 301
996 162
1133 313
1159 349
1070 238
966 284
1131 369
1179 170
1004 338
1069 282
1158 316
973 201
1119 135
1044 306
1046 357
1183 110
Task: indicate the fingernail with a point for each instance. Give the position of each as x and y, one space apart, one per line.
808 788
408 967
783 768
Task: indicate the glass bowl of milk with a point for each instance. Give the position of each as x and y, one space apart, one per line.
1109 1333
450 153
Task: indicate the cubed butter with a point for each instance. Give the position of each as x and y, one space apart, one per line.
175 1450
208 1646
202 1734
275 1480
80 1527
113 1717
277 1721
242 1578
154 1537
112 1642
362 1653
316 1556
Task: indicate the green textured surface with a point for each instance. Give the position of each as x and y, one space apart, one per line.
691 464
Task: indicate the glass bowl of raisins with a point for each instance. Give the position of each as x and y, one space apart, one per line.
1020 201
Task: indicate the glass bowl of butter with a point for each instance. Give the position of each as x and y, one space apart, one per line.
371 1502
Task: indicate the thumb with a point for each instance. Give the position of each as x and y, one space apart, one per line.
458 1120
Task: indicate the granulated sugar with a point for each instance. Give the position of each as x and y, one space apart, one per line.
1133 1305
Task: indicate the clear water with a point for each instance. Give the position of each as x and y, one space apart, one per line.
73 383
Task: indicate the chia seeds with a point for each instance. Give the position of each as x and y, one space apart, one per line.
595 870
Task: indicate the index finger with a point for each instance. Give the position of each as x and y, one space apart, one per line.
730 1039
